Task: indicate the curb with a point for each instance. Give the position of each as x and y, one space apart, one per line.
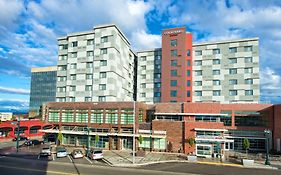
220 164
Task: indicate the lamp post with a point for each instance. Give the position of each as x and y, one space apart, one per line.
134 127
267 133
88 140
18 134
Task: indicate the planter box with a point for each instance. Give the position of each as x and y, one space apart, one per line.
248 162
192 158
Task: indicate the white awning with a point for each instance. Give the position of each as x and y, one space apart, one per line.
206 129
192 114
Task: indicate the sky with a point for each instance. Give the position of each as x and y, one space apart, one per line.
29 32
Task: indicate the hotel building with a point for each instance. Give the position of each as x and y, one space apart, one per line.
96 65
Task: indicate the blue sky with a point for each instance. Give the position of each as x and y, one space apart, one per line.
29 29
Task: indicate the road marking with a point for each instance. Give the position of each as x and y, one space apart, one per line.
70 158
36 170
53 156
88 160
38 157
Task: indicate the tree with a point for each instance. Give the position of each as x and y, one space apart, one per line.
191 141
246 145
60 137
140 139
97 139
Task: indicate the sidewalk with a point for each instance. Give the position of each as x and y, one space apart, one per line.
124 158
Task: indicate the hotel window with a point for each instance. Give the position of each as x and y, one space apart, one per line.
73 54
62 68
198 93
248 48
158 66
174 53
62 57
90 42
111 116
198 52
188 53
102 86
188 73
63 47
198 63
188 93
216 61
173 93
143 58
188 83
72 88
232 92
216 82
90 53
73 66
249 81
157 75
248 59
174 73
232 60
143 76
157 94
97 116
143 85
198 83
72 99
103 62
216 93
142 94
232 49
198 72
72 77
216 72
103 51
75 44
81 116
173 83
61 78
102 74
88 99
173 42
233 71
216 51
88 87
60 99
232 82
157 85
89 76
174 62
89 65
143 67
104 39
248 92
188 63
248 70
102 98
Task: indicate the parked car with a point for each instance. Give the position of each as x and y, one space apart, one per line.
77 153
20 138
33 142
95 154
46 151
61 152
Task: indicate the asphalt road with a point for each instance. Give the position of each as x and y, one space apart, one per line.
16 166
210 169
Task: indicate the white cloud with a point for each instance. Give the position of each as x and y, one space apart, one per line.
14 90
143 40
9 12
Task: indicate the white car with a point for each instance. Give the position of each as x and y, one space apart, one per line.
77 153
45 151
95 154
61 152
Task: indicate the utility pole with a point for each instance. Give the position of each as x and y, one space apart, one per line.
88 140
267 133
134 128
18 133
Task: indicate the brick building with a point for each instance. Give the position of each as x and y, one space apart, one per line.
215 127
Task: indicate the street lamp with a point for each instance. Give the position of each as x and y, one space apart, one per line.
88 140
267 133
18 134
134 127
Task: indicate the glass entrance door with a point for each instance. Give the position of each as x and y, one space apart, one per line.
127 143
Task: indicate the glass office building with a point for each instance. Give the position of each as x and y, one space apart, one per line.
43 88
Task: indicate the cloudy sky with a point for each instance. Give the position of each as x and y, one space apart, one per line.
29 29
